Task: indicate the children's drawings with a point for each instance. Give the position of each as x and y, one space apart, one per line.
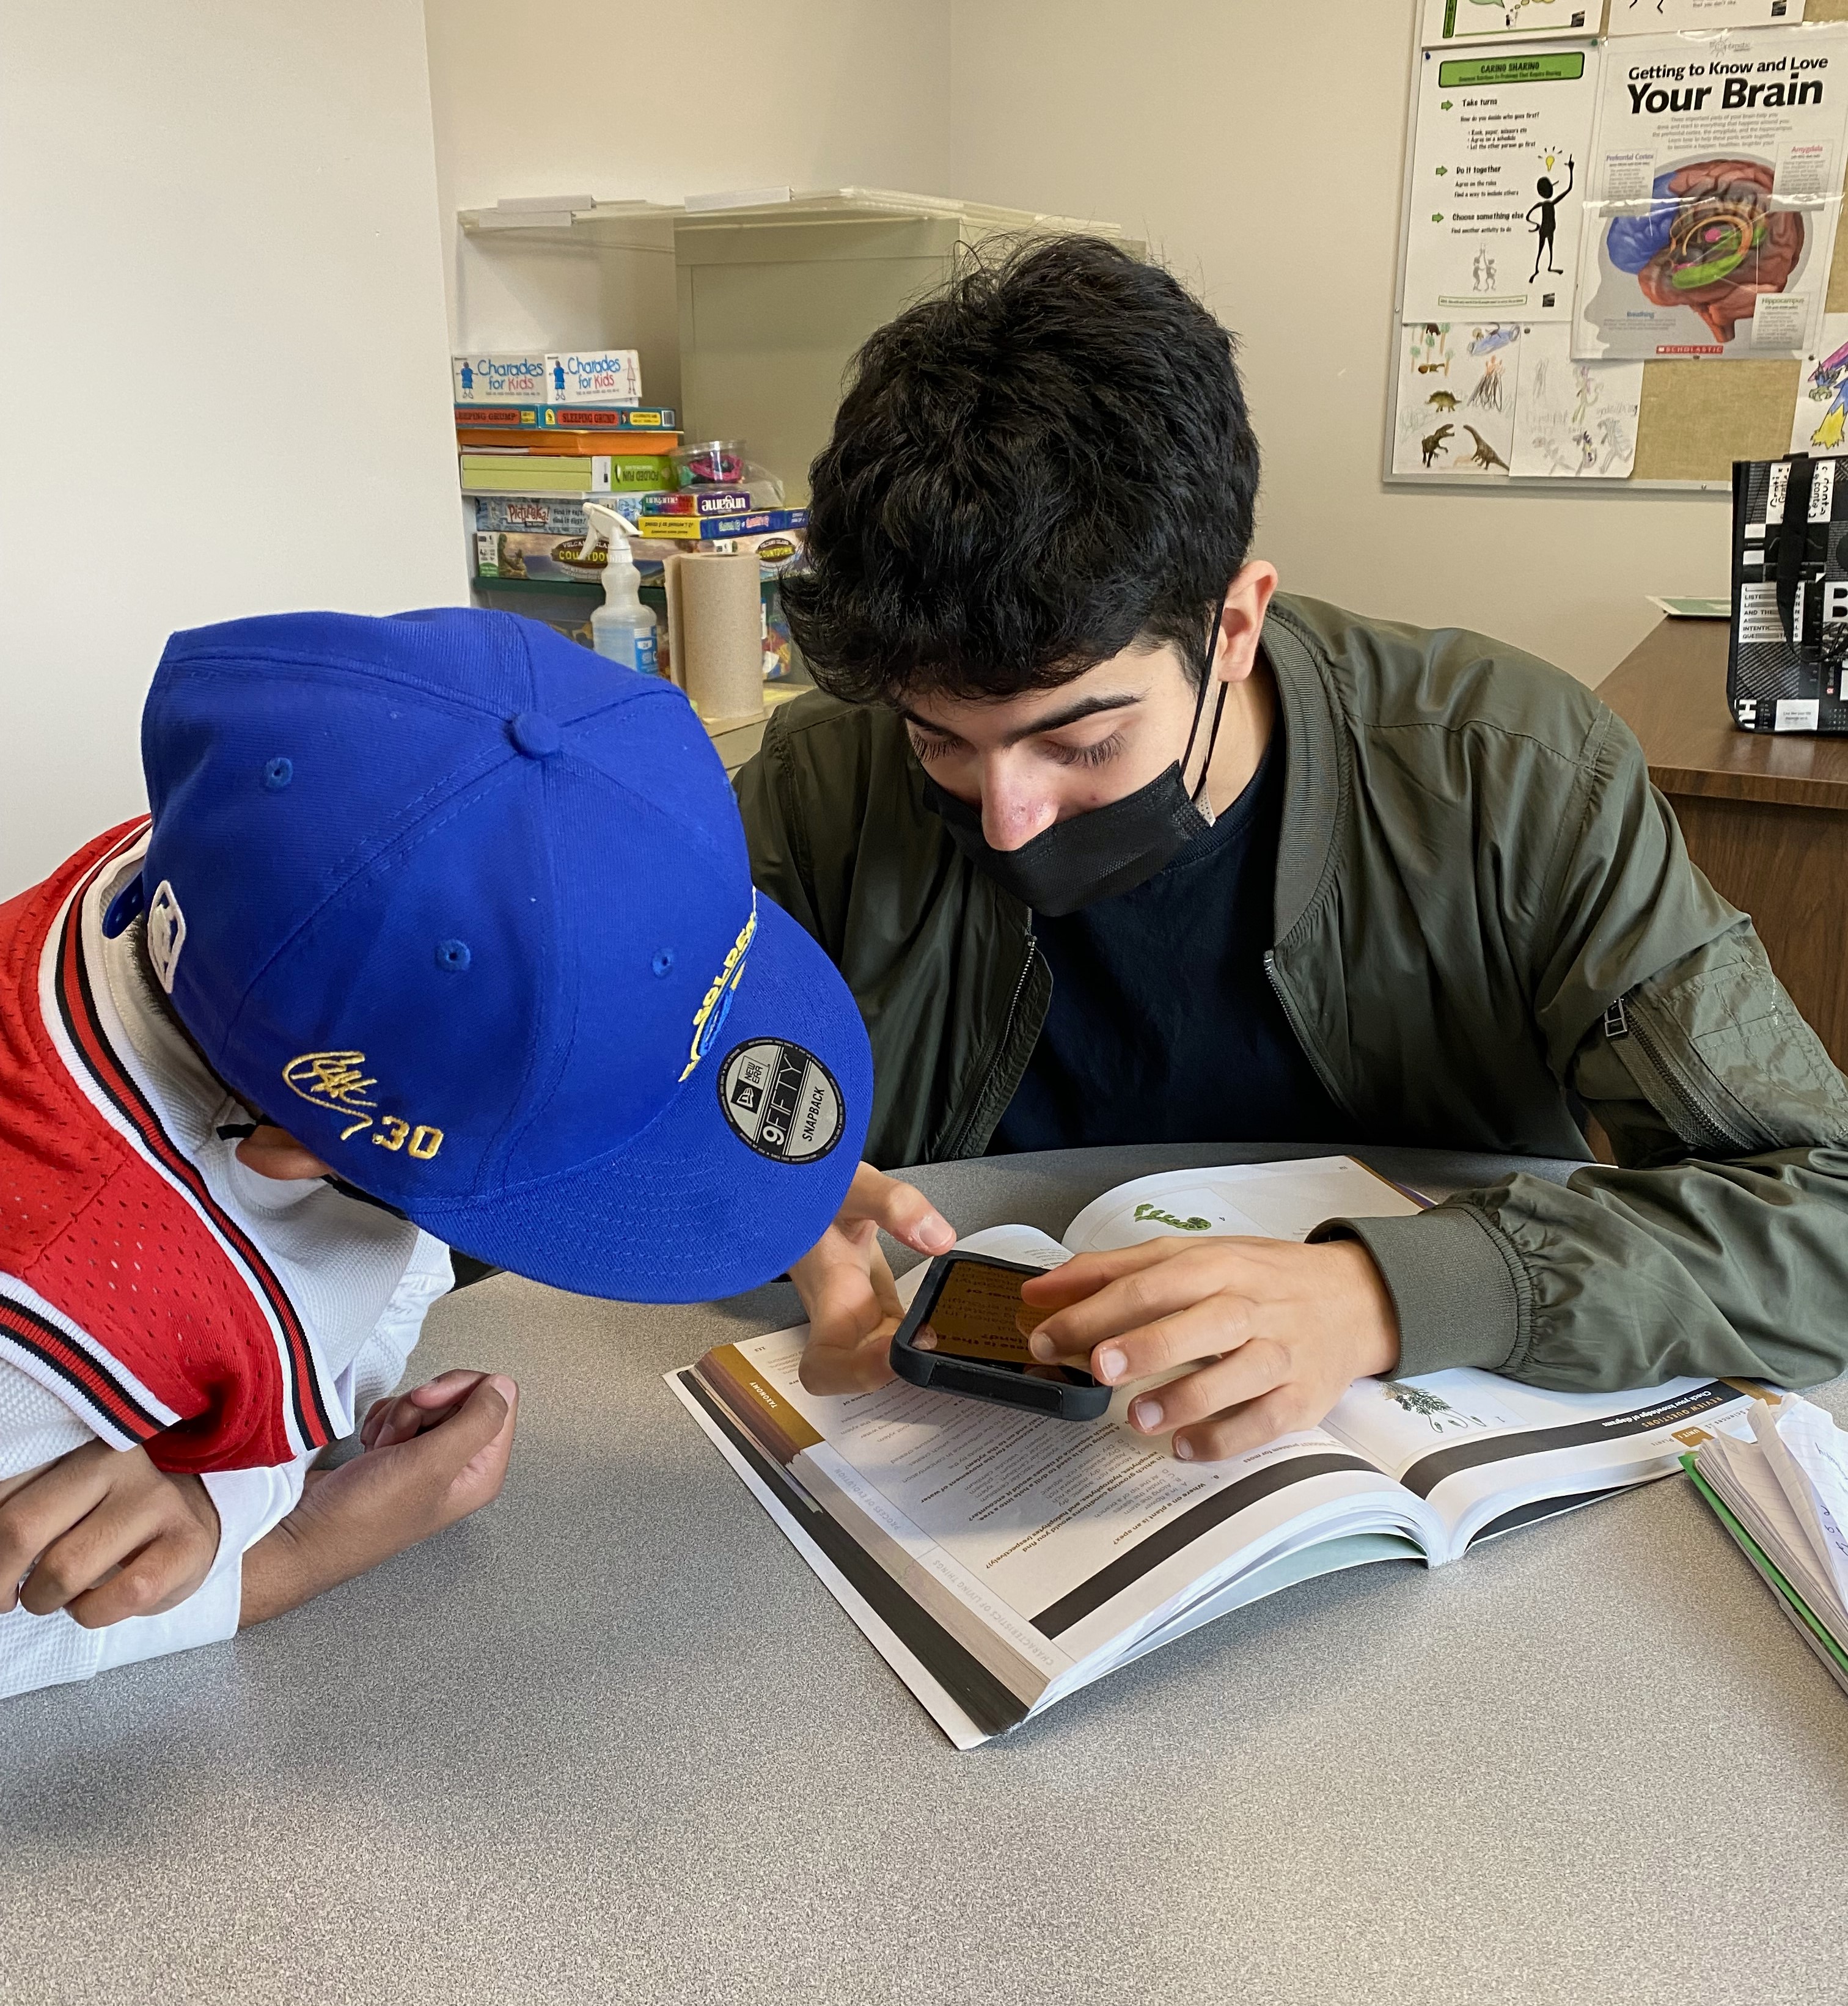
1573 421
1821 423
1457 398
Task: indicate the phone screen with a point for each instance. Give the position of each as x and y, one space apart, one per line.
978 1315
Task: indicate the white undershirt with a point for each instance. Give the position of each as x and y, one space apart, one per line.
36 1426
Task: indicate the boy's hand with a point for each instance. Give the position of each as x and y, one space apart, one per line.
432 1456
1283 1330
106 1536
847 1289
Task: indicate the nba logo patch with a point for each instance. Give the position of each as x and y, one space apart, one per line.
166 934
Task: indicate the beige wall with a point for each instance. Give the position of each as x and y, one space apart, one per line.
814 93
229 236
223 346
1258 148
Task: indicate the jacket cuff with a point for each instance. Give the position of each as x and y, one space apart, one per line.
1453 1281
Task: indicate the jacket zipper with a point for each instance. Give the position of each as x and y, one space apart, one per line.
1702 1128
1026 968
1296 1031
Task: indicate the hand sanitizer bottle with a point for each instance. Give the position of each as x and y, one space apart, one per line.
622 629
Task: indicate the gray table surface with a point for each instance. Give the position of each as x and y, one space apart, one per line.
611 1740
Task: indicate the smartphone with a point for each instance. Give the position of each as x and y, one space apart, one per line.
966 1331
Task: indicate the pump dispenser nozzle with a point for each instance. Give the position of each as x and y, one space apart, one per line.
622 628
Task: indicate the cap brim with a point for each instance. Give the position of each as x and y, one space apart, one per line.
689 1209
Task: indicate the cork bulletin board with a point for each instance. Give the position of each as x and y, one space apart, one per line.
1696 416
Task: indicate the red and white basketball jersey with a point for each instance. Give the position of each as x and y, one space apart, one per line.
167 1295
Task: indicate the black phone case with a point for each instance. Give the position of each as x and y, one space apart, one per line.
969 1375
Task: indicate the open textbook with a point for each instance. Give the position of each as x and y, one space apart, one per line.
1000 1560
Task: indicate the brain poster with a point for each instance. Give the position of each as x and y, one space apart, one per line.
1715 184
1497 181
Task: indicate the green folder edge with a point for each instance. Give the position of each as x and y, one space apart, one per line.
1766 1566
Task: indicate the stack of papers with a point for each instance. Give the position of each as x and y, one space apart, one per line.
1783 1496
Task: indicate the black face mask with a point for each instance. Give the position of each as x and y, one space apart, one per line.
1105 851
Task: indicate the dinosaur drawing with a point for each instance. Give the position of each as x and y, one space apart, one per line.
1487 392
1441 400
1485 455
1432 442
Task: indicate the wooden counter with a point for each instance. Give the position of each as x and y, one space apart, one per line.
1765 815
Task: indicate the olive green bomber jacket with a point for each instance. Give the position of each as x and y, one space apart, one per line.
1481 903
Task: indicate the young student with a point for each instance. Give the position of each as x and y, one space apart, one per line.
441 933
1114 846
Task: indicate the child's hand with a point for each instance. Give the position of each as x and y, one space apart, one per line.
847 1289
433 1456
106 1536
407 1415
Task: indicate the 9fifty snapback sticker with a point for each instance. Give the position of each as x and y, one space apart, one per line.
782 1101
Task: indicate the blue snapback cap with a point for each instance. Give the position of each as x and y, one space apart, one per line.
466 909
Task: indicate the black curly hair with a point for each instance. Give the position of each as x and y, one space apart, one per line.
1031 470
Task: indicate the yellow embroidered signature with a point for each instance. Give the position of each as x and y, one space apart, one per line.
339 1082
717 1000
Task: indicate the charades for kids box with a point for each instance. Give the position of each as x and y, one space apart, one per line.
505 378
594 376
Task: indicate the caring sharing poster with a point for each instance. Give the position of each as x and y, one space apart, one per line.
1498 160
1715 188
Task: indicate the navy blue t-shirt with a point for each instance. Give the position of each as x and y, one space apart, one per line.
1164 1026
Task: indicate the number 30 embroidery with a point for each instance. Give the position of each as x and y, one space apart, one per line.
425 1142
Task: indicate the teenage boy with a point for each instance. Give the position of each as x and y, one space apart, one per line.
442 932
1112 845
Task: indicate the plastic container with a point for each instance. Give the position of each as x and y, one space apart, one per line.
710 463
622 629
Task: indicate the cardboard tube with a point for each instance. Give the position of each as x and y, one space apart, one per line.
718 645
676 632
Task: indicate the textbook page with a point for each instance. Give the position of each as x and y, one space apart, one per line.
1487 1453
1479 1449
1286 1200
1062 1537
1030 1554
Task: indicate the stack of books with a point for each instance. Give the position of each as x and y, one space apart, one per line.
531 423
538 435
562 449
